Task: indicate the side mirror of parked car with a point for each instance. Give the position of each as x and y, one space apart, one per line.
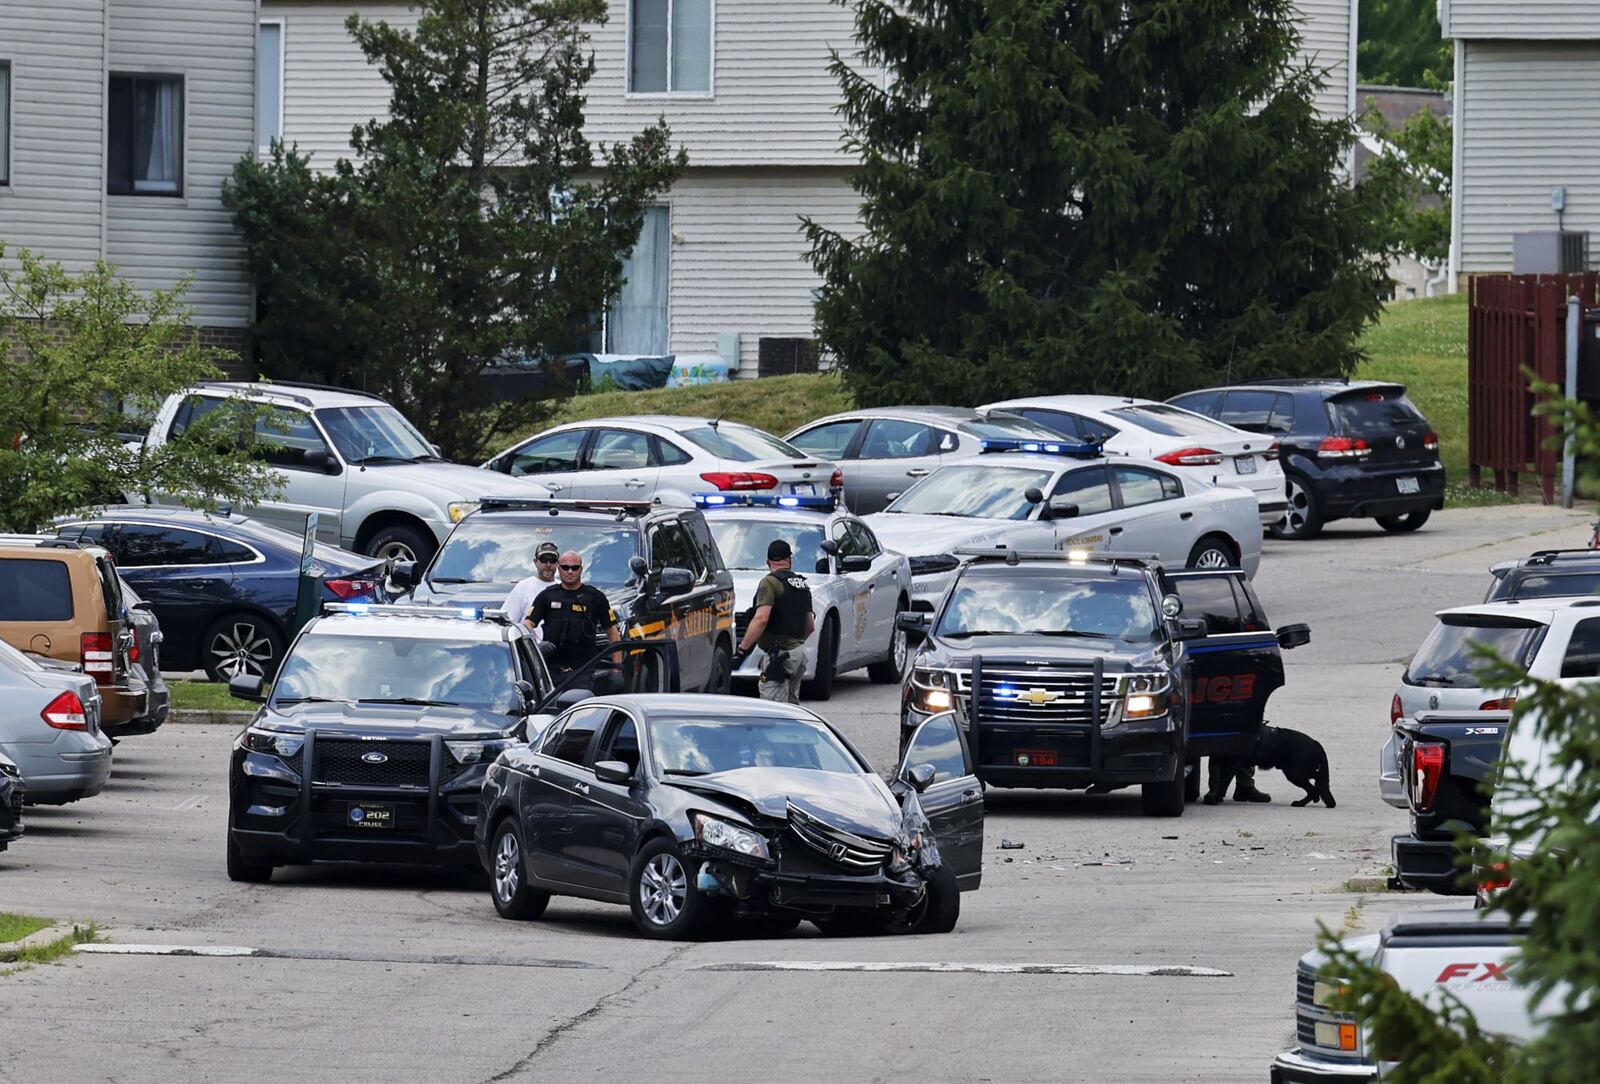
403 574
530 696
1192 628
612 771
1293 636
639 567
857 564
1033 495
675 581
919 776
914 623
246 687
829 546
1061 508
320 460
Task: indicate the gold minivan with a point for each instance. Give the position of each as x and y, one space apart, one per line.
63 601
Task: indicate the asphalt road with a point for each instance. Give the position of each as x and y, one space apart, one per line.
385 973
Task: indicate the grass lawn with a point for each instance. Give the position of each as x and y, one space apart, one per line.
16 927
204 696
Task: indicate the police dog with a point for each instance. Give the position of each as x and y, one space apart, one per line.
1301 759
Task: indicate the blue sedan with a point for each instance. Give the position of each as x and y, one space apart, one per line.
224 587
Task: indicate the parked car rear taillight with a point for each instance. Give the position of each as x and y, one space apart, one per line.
349 588
1397 710
723 480
1505 703
1343 448
1427 768
98 655
66 712
1272 453
1192 457
1431 441
837 481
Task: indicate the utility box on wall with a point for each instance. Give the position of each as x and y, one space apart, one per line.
781 357
1549 252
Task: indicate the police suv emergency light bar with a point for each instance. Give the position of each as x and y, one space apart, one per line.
459 510
438 613
763 500
1040 447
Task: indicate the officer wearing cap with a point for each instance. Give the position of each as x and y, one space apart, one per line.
520 600
571 614
780 626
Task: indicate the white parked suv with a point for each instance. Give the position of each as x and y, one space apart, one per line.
377 485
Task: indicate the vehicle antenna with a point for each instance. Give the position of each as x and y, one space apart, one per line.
718 420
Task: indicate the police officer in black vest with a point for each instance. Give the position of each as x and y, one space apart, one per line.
570 614
781 625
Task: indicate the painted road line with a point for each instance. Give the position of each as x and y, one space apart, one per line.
106 948
1125 970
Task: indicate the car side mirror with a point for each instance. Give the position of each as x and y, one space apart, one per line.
246 687
830 547
675 581
1060 508
920 776
612 771
1193 628
403 575
1033 495
530 696
639 567
320 460
1293 636
856 564
913 623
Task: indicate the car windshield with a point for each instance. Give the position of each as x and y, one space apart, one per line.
1169 421
741 443
700 746
744 542
467 673
486 550
1377 412
374 433
980 491
1047 604
1447 659
1006 426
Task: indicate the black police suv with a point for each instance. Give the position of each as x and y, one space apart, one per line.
1096 671
373 743
659 568
11 796
698 812
1546 574
1350 449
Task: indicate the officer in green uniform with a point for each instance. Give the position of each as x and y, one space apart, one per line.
571 614
780 626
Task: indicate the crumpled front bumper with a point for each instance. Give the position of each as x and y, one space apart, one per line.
1297 1067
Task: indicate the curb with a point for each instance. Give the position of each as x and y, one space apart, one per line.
49 935
215 718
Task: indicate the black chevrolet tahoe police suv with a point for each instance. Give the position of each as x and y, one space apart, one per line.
1096 671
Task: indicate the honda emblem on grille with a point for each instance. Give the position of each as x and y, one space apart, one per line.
1039 697
837 851
374 758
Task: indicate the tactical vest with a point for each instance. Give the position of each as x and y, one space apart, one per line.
789 612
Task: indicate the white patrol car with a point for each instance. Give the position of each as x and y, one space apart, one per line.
1033 495
857 587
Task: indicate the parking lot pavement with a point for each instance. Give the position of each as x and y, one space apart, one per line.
378 972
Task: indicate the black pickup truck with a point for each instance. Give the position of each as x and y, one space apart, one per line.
1448 762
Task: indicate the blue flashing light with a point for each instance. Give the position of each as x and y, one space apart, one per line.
764 500
356 607
1073 449
471 613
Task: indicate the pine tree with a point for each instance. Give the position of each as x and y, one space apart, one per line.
1130 196
1402 46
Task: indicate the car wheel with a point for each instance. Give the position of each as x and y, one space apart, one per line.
245 870
1191 781
888 671
508 876
401 543
1411 521
662 894
937 911
721 680
1213 552
1302 519
820 687
1163 799
241 643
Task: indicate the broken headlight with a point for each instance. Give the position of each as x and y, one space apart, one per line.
474 752
724 835
932 691
258 740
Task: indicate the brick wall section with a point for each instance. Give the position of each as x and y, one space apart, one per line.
234 341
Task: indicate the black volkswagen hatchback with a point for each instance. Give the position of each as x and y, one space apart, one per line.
1350 449
699 812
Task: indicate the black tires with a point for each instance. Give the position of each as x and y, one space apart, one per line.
401 542
721 679
1411 521
820 687
1163 799
888 671
662 895
1303 518
246 870
241 643
1214 551
508 876
939 910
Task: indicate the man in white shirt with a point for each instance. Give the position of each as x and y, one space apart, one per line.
520 600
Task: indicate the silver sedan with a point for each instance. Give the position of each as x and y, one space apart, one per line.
50 726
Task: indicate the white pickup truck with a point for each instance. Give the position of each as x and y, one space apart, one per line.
1465 953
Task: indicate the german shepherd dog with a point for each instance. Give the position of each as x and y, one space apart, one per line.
1301 759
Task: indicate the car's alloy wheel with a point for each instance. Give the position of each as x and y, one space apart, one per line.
241 645
1212 553
1301 519
507 867
663 889
1213 558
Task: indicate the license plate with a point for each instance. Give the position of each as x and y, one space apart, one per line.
1036 758
1408 485
369 816
802 489
1244 464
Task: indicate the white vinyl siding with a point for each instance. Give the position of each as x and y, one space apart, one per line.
1325 34
211 44
1523 130
1527 19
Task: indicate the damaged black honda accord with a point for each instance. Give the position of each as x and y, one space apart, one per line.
707 813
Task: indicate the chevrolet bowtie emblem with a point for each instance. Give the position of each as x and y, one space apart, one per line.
1039 697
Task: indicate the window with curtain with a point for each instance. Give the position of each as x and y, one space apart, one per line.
144 137
269 83
669 46
637 321
5 122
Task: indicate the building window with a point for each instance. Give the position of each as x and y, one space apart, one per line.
5 122
636 322
145 135
669 46
269 83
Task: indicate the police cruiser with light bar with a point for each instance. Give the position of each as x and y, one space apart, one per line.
373 740
857 587
1059 495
